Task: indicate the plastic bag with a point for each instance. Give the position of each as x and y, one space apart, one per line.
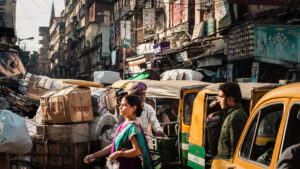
106 77
112 164
3 103
175 74
14 136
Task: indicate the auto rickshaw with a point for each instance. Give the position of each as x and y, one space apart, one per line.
198 153
272 127
183 92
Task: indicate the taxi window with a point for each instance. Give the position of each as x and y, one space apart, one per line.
261 135
188 107
292 133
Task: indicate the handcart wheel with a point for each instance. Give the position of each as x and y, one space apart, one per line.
20 164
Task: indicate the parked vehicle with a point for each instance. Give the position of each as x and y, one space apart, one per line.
198 153
183 93
273 126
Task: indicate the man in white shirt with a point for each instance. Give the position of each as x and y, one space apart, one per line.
148 115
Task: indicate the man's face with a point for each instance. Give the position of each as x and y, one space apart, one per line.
223 101
142 96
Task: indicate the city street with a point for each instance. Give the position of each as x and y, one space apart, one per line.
156 84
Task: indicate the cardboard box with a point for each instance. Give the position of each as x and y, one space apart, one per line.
67 133
70 105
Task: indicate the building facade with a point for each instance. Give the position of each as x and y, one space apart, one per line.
226 40
44 53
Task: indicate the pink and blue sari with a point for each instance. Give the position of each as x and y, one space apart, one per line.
122 141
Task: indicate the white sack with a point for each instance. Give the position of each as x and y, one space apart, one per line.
14 137
175 74
106 77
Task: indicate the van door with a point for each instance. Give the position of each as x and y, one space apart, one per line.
185 118
260 135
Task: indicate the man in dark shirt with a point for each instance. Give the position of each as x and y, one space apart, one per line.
229 98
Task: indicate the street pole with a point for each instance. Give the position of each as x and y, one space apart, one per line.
124 50
124 56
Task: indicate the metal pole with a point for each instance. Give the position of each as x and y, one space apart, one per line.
124 50
124 56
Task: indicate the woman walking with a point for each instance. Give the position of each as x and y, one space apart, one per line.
129 145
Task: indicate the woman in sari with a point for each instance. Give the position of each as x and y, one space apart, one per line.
129 146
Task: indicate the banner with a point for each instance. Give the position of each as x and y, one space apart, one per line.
222 13
145 48
125 33
148 21
117 35
277 42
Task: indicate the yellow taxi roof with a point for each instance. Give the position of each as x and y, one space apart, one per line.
246 88
286 91
162 89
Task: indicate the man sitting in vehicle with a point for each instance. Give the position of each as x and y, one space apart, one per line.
229 98
214 125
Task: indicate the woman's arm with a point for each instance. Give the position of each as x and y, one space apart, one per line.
131 153
91 157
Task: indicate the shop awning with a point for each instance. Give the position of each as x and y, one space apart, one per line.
141 76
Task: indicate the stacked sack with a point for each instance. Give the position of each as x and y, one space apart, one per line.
34 86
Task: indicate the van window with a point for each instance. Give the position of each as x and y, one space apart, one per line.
188 107
261 135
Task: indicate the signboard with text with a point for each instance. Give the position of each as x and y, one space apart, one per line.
134 65
159 48
277 42
125 33
210 26
148 21
144 48
222 13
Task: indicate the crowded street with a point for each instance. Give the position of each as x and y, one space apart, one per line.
130 84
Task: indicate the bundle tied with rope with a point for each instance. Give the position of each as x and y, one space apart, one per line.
34 86
65 106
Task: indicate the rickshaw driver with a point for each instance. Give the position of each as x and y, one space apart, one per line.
148 114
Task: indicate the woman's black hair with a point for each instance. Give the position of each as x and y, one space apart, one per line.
133 100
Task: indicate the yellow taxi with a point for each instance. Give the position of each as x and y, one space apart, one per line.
273 125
